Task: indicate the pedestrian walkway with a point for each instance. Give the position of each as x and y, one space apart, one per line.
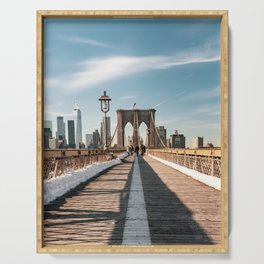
141 202
180 209
136 230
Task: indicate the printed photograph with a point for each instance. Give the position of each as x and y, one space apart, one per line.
132 131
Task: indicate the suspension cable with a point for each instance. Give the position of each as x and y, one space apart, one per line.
161 141
138 133
112 137
125 139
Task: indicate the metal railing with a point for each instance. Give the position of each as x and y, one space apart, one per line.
204 160
60 161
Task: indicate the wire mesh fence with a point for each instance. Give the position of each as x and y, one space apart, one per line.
205 162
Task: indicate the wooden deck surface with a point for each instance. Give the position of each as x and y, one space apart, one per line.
179 209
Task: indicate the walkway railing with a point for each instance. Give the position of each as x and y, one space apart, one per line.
204 160
60 161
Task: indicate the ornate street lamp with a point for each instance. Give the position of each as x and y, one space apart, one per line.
105 107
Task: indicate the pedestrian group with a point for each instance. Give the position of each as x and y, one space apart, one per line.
142 149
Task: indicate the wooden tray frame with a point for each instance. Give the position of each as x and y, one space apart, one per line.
223 15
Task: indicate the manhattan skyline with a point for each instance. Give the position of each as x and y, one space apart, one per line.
174 68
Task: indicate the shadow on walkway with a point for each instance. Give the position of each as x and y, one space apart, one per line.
170 221
79 216
117 235
85 216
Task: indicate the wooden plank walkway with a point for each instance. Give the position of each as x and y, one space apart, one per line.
179 209
94 213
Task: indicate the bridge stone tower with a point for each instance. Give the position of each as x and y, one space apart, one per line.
136 117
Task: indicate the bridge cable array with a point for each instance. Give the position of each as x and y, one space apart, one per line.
112 137
161 141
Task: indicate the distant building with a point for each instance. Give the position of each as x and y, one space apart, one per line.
96 139
162 135
47 137
105 131
62 144
89 140
60 134
71 134
197 142
177 140
53 143
48 124
168 145
209 145
81 145
77 115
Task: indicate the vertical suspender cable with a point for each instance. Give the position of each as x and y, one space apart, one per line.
112 137
151 114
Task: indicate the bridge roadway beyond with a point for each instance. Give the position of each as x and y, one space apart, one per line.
168 208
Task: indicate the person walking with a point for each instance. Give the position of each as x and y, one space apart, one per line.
136 150
132 150
143 150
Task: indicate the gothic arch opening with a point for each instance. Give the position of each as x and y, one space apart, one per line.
143 132
128 134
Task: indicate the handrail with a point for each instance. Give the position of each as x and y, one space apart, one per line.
60 153
59 161
216 152
204 160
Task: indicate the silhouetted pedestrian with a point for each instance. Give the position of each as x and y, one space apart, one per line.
136 150
143 150
131 150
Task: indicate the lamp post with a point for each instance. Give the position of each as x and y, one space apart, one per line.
105 107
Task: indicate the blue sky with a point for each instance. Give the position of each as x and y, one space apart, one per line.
172 65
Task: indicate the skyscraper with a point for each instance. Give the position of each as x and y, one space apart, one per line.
53 143
177 140
60 134
77 115
197 142
105 130
71 134
48 124
47 137
96 138
89 140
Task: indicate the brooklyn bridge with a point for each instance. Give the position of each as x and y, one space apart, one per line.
116 197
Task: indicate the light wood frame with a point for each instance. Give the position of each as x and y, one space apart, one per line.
223 14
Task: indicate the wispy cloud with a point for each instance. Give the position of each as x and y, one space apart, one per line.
209 110
165 101
191 123
161 103
127 97
184 61
87 41
96 71
201 94
194 118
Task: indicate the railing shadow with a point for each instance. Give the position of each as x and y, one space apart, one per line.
170 221
117 234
